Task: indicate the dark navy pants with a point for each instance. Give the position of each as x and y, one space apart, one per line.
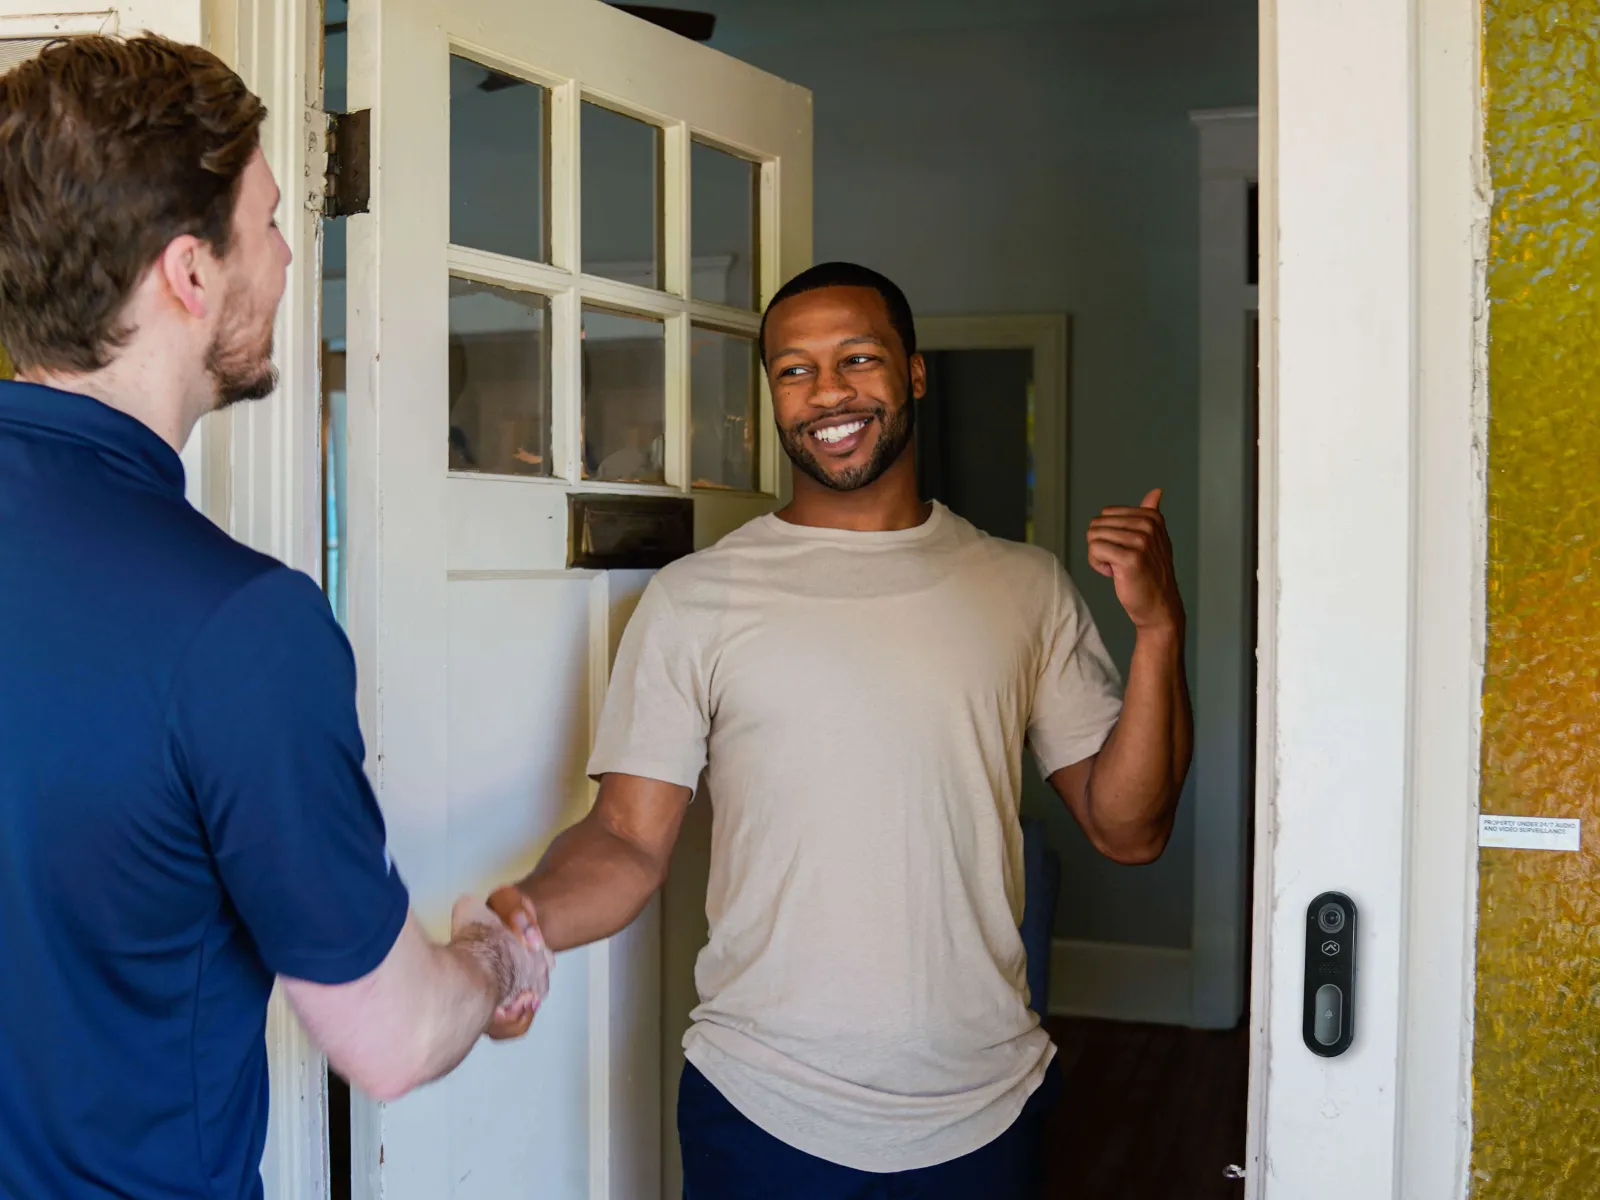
726 1156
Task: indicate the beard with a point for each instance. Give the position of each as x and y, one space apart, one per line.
239 359
894 435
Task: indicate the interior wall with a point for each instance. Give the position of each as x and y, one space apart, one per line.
1536 1111
1046 163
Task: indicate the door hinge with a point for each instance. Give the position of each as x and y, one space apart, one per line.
349 178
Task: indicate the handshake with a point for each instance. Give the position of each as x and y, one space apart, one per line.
503 938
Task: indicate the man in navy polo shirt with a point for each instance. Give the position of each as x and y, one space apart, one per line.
183 812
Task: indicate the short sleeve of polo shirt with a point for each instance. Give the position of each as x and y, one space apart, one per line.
657 716
1078 694
265 735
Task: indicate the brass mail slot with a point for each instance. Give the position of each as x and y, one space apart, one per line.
610 533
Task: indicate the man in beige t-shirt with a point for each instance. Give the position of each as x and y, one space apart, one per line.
853 681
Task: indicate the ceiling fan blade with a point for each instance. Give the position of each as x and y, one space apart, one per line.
496 81
696 26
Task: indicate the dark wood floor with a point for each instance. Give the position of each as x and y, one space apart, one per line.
1147 1112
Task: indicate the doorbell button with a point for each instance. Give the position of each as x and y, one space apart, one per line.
1330 974
1330 1014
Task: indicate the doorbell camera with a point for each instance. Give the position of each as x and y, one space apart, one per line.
1330 917
1330 987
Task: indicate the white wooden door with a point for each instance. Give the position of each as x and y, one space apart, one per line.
574 218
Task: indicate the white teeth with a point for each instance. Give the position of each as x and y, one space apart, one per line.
839 432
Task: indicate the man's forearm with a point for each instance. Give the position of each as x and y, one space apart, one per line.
472 975
1138 775
590 884
414 1017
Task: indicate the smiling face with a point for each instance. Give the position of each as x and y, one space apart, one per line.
843 387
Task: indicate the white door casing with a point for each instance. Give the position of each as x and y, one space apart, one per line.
1373 521
482 659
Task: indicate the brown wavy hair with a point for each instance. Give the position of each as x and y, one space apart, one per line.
109 149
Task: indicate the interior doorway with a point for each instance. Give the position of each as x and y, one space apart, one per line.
994 445
974 437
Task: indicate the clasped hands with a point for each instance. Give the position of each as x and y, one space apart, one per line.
515 954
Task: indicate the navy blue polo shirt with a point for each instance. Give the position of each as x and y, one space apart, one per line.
183 815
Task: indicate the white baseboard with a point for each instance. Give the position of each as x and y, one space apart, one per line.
1120 982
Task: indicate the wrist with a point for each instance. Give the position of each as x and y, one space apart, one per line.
489 952
1162 632
516 910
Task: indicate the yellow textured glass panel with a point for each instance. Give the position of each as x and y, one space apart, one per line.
1536 1067
6 369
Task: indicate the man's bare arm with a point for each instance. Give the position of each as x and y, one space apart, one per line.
417 1015
1126 797
600 873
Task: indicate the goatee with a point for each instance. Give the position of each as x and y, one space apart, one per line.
895 433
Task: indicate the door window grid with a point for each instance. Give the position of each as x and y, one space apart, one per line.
570 290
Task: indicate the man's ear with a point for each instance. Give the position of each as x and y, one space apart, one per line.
919 376
187 272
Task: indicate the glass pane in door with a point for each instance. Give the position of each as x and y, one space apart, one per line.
724 414
624 397
499 162
725 193
499 380
621 183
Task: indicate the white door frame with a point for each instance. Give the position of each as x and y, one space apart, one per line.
1372 549
1049 336
263 463
1224 708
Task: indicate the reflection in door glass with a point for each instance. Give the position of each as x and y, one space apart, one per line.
622 197
624 397
499 162
499 380
725 198
333 478
723 412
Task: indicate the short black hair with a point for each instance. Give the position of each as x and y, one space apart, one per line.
846 274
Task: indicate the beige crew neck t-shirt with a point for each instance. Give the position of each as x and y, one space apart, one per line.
859 703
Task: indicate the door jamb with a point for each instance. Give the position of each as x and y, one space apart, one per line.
263 481
1382 375
1449 607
